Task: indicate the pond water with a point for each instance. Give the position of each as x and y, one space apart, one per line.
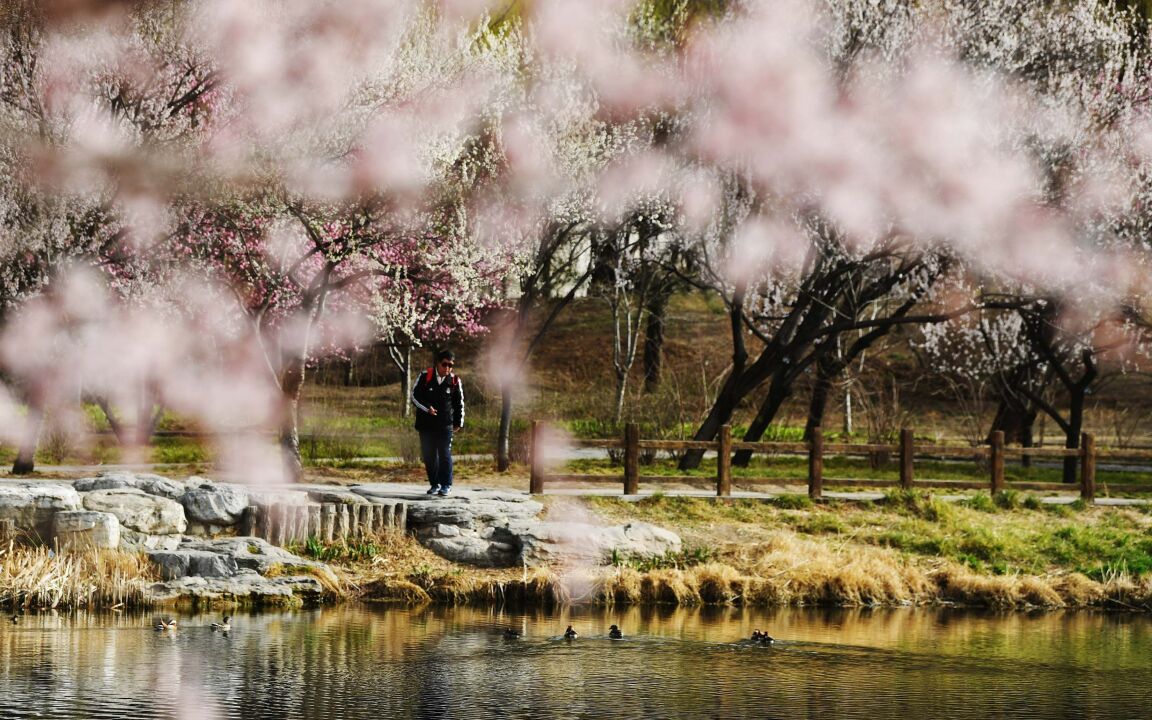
351 663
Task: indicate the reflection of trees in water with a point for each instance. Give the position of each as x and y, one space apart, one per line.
353 662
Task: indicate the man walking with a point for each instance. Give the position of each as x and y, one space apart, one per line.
439 400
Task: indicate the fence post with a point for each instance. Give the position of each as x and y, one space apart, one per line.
724 462
906 441
631 459
816 463
996 461
1087 467
536 476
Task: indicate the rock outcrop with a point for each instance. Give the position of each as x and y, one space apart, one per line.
488 528
237 567
139 511
203 536
31 505
86 529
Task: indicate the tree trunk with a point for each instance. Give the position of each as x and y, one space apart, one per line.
402 359
291 383
26 456
621 390
778 392
503 456
1075 426
826 371
654 341
719 415
1015 420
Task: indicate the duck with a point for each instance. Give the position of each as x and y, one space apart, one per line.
614 633
571 634
225 626
762 637
163 624
15 619
510 633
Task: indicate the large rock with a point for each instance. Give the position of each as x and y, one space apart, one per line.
238 555
138 541
502 529
235 567
150 484
136 510
278 590
544 542
333 495
473 550
278 497
212 504
430 513
192 563
83 529
31 504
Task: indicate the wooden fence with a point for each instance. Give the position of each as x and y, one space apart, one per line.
327 522
905 452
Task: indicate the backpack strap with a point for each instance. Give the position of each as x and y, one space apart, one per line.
428 375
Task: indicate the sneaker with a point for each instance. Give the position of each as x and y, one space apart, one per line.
444 490
433 490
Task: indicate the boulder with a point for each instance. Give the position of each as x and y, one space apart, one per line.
150 484
210 503
136 510
473 550
240 554
278 497
432 513
192 563
133 540
250 585
544 542
329 495
493 528
31 504
86 529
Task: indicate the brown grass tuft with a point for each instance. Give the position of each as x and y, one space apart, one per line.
669 587
395 589
718 583
622 587
40 577
1040 593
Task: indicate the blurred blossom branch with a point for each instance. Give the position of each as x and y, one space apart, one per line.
317 176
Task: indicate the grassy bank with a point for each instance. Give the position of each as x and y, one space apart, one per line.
908 549
911 548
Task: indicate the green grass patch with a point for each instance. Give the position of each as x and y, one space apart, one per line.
1098 542
337 552
686 558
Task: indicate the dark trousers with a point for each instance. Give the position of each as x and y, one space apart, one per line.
436 451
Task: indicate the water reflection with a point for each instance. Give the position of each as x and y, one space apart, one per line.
354 662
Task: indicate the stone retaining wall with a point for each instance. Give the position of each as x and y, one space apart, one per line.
327 522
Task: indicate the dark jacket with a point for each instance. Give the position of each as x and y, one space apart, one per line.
447 397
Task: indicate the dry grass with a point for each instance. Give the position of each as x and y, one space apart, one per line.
784 568
38 577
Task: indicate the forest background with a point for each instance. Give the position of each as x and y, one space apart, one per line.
219 218
201 207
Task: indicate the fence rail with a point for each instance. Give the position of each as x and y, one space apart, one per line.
905 452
